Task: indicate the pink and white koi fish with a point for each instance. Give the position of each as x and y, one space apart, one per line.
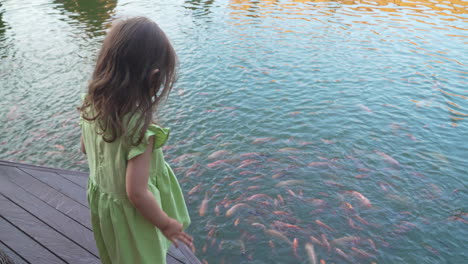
388 158
309 248
361 198
218 154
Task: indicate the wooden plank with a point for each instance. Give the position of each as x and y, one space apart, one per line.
17 259
177 254
81 180
57 170
54 241
54 218
188 254
29 249
47 194
60 184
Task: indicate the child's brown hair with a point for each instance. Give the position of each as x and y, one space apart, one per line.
136 60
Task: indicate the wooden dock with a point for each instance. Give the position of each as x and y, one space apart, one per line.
44 217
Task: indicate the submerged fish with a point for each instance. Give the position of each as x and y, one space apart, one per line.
218 154
194 189
309 248
279 235
322 224
262 140
204 205
388 158
234 208
289 182
361 198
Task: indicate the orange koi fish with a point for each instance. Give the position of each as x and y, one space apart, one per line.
316 241
234 208
254 187
204 205
322 224
295 245
194 189
236 222
322 261
234 183
280 213
362 220
311 253
280 198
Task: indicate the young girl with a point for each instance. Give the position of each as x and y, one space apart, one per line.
137 206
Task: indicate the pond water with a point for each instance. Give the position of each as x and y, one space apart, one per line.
336 124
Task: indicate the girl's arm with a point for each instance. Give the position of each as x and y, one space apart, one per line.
136 181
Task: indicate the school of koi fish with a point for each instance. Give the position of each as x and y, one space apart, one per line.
330 225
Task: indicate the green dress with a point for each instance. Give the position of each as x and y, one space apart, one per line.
122 234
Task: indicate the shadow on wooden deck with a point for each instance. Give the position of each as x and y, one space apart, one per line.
45 218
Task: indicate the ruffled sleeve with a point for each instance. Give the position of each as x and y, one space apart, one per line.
161 135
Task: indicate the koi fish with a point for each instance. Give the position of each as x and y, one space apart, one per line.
326 141
388 158
353 225
262 226
250 154
234 208
362 252
246 172
242 247
318 164
322 261
342 254
278 175
254 187
278 234
236 222
217 163
289 182
361 198
345 240
295 245
204 205
325 242
194 189
365 108
311 253
262 140
258 195
59 147
280 213
322 224
234 183
362 220
218 154
255 178
372 244
280 198
316 241
288 150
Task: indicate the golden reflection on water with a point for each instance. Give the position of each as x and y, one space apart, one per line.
424 8
406 15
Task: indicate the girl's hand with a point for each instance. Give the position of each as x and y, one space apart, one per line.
173 232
